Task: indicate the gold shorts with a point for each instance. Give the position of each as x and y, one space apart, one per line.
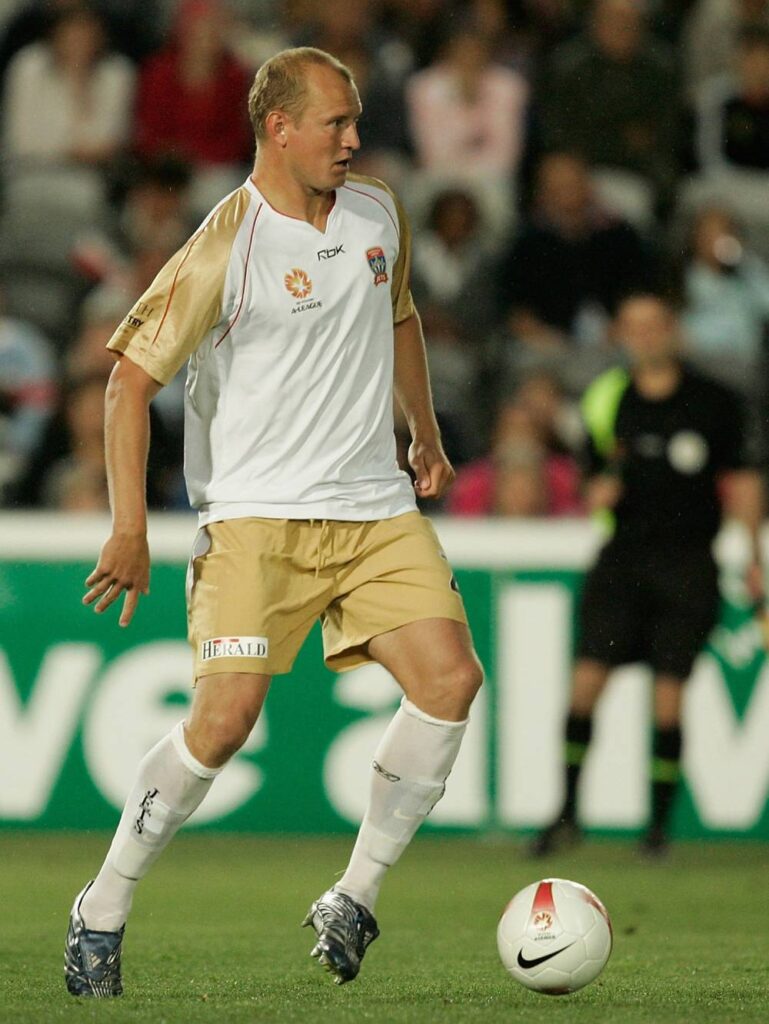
256 586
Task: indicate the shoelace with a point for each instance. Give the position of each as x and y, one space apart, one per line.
354 938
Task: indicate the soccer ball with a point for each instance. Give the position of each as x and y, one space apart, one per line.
554 936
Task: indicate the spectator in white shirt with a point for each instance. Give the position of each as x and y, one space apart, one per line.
726 311
68 100
467 113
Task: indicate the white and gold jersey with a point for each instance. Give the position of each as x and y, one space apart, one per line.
289 336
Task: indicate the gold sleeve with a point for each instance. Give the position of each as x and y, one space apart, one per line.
183 303
403 303
400 285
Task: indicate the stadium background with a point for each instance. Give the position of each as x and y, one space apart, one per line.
553 156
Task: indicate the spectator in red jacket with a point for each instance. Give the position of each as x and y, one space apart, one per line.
529 471
192 101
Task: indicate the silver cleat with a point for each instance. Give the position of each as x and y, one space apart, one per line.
345 929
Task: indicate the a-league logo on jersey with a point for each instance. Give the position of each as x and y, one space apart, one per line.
378 263
298 283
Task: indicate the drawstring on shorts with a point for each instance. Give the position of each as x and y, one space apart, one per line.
323 537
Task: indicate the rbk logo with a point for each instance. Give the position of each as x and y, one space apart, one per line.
384 773
329 254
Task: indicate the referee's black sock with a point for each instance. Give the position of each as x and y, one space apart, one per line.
578 732
666 770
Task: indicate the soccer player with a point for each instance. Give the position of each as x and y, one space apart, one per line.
667 454
292 305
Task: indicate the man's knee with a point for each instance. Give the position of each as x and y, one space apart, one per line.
214 738
668 700
667 716
589 680
461 683
469 678
224 711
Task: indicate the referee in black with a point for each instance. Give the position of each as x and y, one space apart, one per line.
666 460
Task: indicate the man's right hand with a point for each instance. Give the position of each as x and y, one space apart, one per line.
603 492
123 566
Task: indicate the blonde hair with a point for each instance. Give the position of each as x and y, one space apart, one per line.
281 84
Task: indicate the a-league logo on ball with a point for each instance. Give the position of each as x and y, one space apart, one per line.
378 263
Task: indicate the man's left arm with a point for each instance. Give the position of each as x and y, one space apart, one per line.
742 486
745 501
427 458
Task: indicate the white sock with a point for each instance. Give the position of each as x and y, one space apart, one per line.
410 769
170 785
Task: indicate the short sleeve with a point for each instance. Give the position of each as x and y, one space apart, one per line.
185 301
600 407
403 303
735 446
591 461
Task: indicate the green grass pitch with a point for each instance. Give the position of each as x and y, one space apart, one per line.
214 936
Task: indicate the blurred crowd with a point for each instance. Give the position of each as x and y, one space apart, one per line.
554 156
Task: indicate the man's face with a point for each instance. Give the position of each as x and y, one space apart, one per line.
564 188
753 68
468 53
322 140
646 328
617 28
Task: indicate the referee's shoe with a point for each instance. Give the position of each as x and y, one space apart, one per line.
561 834
654 844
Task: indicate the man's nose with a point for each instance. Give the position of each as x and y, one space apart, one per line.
351 139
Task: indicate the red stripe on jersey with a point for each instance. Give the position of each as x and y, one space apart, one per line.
374 198
245 278
173 286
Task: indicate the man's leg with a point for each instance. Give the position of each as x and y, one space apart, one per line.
172 780
590 678
434 662
666 759
687 608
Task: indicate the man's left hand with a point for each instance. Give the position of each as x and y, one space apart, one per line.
433 471
754 581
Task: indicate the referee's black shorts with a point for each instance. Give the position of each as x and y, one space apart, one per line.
653 606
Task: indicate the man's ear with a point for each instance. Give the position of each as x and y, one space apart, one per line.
275 124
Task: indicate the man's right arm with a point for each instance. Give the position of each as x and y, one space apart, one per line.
164 328
124 561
